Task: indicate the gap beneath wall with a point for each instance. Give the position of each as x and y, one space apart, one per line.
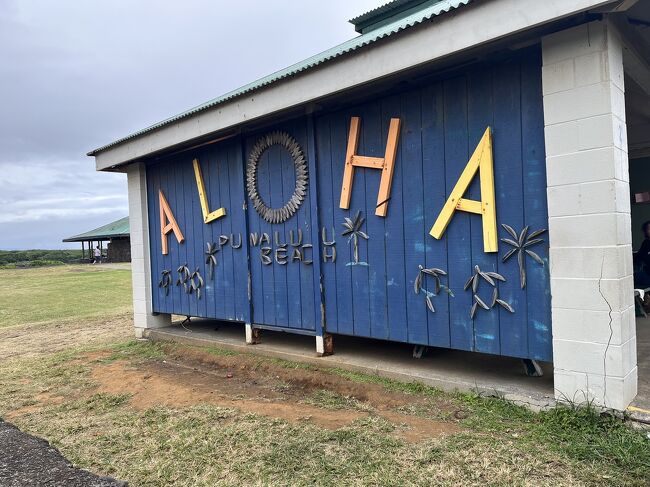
445 369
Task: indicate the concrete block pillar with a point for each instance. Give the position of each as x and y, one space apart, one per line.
143 315
594 333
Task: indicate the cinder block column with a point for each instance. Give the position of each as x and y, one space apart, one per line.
594 333
143 316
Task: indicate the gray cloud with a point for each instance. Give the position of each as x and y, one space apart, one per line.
76 75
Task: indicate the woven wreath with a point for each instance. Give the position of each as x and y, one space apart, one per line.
283 139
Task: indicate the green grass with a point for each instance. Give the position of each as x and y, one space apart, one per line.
499 444
204 445
61 293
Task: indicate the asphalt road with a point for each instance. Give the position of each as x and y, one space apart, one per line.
27 461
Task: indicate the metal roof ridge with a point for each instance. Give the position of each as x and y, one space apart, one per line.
377 10
317 59
120 227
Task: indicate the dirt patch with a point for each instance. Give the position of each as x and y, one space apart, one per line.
176 386
267 390
299 380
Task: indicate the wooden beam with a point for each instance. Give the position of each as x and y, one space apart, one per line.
208 216
469 206
389 165
348 172
369 162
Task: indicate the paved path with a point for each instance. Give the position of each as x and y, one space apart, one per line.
27 461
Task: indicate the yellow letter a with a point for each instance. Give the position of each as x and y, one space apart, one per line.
203 197
481 159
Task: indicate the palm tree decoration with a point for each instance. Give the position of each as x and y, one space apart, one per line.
438 286
165 280
211 258
521 244
353 229
490 278
196 283
183 276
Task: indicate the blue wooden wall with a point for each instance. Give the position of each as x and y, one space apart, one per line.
225 297
442 122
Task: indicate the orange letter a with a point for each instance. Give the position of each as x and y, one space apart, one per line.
167 223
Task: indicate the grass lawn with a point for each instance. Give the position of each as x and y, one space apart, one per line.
162 414
62 293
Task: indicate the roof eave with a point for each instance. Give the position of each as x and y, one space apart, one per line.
344 69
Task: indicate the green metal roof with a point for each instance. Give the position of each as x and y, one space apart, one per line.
388 12
118 228
427 12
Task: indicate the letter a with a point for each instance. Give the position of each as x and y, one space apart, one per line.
167 223
208 216
481 159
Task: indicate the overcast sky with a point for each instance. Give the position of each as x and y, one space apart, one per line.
76 74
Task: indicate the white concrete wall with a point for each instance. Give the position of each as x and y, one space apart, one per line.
143 316
594 334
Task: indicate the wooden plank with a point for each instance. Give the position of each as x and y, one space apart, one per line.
326 188
191 206
165 178
198 242
257 271
233 282
155 244
435 189
458 234
317 301
510 203
214 289
489 219
369 162
348 174
344 286
163 223
292 293
372 278
268 271
470 206
540 344
306 220
179 182
408 182
359 275
238 200
388 167
391 110
208 216
480 110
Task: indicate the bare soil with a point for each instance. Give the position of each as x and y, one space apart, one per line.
245 383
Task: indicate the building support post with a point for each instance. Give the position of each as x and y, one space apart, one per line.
594 333
252 334
143 316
